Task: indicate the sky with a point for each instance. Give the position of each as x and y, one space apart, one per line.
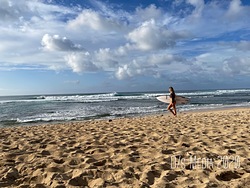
88 46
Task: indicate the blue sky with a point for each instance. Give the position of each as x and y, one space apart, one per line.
79 46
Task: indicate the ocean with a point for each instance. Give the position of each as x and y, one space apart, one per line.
32 109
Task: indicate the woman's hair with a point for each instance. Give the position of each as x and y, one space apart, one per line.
172 89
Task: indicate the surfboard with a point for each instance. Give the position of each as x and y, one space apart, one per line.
167 99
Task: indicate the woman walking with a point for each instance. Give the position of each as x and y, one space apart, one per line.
172 104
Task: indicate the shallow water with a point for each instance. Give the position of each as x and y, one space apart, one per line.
19 110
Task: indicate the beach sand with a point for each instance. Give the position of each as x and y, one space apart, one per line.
195 149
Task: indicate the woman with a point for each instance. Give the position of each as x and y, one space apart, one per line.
172 101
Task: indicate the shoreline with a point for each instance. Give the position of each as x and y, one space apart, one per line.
165 112
203 149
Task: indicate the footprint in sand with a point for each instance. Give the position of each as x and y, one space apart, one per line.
149 177
227 176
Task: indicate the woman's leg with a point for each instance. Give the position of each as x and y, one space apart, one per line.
174 107
169 108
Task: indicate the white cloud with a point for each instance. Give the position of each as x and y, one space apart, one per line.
81 62
165 59
57 43
243 45
95 21
18 12
237 66
214 18
21 35
150 12
239 46
124 72
199 6
150 36
235 8
13 10
106 58
135 68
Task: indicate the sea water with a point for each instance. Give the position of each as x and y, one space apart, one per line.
23 110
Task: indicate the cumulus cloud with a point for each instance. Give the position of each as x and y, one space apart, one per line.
237 66
128 71
235 8
150 12
94 20
135 68
106 58
57 43
150 36
164 59
243 45
81 62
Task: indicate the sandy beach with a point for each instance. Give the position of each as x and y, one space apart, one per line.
195 149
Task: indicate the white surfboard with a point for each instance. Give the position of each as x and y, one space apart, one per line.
167 99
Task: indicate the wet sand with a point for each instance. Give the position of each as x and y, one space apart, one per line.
195 149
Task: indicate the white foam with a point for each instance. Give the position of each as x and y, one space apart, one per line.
211 106
216 92
56 116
